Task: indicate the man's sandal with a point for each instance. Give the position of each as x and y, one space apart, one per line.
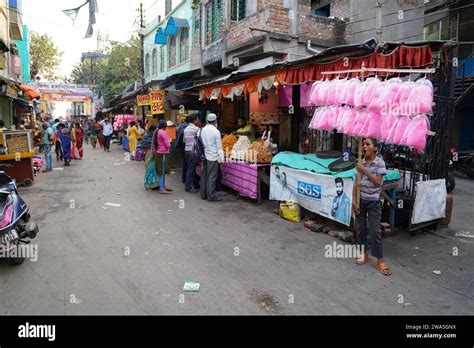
382 267
362 260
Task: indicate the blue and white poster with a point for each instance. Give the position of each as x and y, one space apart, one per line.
325 195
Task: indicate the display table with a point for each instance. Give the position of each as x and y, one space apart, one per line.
245 178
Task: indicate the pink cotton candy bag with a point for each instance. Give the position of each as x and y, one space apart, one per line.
416 132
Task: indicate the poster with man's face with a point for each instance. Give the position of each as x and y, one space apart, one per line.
322 194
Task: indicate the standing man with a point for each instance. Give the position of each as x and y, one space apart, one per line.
108 130
189 135
180 145
213 155
47 143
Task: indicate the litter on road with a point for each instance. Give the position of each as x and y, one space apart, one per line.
191 286
116 205
437 272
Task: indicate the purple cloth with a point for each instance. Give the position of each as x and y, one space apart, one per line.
286 95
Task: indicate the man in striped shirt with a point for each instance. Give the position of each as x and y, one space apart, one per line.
371 170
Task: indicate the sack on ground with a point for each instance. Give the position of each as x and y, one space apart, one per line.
290 211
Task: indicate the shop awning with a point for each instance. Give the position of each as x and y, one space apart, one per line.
174 24
160 37
23 103
30 91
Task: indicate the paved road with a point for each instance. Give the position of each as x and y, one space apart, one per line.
280 267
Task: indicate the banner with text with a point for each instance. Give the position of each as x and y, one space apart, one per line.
157 102
325 195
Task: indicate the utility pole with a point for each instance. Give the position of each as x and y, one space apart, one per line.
378 20
142 42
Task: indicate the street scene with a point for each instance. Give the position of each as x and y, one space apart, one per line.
213 157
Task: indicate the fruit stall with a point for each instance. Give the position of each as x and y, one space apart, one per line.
16 156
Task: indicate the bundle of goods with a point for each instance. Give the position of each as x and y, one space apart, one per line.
259 152
17 143
228 143
239 150
392 111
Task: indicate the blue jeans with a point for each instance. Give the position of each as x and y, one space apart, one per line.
371 211
47 156
190 170
161 178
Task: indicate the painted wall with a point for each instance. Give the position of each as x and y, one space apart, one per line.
182 10
4 32
24 48
270 106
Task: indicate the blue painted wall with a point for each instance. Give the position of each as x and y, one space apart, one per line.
24 48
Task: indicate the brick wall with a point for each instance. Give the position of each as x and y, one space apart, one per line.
272 17
324 28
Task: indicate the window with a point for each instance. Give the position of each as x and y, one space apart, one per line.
154 58
321 8
172 52
184 45
439 30
214 21
162 59
238 10
147 65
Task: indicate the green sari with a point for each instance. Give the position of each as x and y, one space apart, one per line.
151 177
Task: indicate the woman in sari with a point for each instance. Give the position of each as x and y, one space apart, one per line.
64 135
133 135
151 178
162 156
77 152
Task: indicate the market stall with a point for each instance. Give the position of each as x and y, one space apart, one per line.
16 158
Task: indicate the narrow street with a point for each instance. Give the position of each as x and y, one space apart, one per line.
246 259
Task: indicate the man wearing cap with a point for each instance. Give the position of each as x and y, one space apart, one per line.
213 154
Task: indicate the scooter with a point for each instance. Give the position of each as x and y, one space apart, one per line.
16 225
462 162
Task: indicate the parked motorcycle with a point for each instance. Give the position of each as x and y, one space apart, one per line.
462 161
16 225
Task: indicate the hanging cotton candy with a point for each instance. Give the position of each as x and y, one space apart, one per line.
351 88
341 91
323 90
372 91
314 121
323 122
360 119
339 117
373 126
400 129
402 98
386 98
386 125
360 94
314 94
348 120
415 135
331 95
421 97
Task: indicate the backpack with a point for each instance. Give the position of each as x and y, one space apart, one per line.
198 147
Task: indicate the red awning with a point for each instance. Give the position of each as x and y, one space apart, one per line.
30 91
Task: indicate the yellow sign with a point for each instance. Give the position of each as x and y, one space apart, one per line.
157 100
143 100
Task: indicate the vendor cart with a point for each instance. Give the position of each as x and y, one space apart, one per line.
16 156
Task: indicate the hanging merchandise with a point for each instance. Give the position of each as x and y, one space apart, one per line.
421 97
359 122
339 116
348 120
386 125
387 96
372 92
401 105
398 129
415 134
341 90
331 94
373 125
351 88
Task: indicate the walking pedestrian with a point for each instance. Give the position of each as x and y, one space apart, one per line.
189 134
107 131
64 135
371 171
77 151
213 155
57 144
163 145
133 135
47 143
93 135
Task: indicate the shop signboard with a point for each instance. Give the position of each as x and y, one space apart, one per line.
322 194
157 102
143 100
12 92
